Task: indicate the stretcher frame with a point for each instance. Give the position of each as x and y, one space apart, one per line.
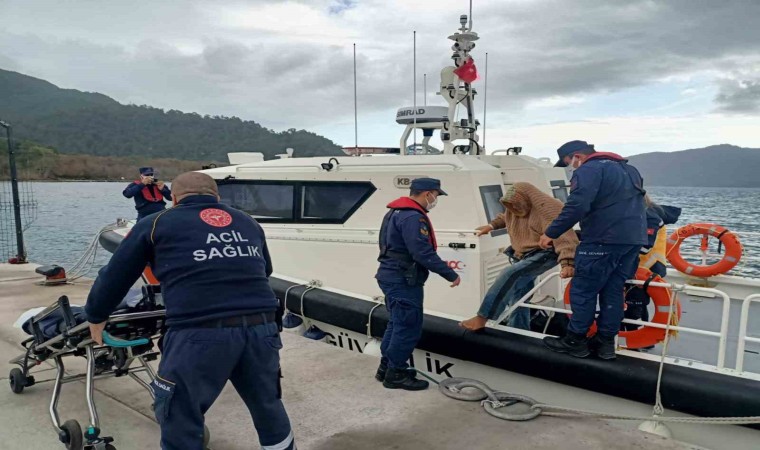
128 343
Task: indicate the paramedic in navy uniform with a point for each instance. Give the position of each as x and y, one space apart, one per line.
149 193
214 266
408 253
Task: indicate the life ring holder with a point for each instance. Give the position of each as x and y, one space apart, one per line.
644 336
728 239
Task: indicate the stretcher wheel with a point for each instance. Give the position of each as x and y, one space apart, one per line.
17 381
71 435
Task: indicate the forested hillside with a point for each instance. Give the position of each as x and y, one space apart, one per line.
72 121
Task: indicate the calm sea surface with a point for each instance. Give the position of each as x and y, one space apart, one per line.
70 214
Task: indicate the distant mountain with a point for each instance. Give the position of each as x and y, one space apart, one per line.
715 166
72 121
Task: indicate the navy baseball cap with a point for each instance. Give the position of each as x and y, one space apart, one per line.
427 184
569 148
146 171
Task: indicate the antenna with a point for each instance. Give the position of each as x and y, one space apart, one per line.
485 99
414 44
356 120
424 87
470 29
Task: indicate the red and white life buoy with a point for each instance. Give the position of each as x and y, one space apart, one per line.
728 240
644 336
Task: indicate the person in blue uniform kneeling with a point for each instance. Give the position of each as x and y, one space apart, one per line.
408 253
148 193
214 267
607 198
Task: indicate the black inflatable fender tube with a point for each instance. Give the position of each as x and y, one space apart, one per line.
110 240
691 391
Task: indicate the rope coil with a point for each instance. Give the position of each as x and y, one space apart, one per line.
492 401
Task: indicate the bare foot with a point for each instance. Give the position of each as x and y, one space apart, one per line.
474 324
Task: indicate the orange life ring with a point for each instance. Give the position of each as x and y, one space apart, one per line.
148 276
644 336
727 238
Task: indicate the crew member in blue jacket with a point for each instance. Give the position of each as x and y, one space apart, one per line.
607 198
408 253
653 257
148 192
214 268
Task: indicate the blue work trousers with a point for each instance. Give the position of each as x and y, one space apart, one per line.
196 364
512 284
404 305
600 271
637 300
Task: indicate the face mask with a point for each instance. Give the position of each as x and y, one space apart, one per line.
432 204
575 163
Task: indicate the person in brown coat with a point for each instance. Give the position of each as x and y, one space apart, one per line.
528 211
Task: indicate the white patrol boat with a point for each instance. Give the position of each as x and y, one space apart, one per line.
322 216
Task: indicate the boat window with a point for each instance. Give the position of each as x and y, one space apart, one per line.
491 196
332 201
559 189
295 201
261 200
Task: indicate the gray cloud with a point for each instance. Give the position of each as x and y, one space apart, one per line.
179 55
565 48
739 96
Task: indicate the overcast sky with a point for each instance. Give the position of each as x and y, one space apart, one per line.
630 76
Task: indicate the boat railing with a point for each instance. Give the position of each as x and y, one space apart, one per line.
351 165
722 334
253 167
743 337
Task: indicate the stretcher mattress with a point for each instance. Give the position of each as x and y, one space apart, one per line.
54 324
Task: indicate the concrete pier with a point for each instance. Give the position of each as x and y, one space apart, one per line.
331 396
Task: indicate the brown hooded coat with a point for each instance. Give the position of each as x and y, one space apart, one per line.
536 211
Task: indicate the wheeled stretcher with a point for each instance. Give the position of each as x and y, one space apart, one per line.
60 331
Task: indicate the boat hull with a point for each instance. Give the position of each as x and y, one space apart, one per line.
684 389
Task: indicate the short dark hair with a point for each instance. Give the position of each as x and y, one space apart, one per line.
415 192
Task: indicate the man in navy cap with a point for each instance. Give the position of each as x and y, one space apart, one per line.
148 192
408 253
607 198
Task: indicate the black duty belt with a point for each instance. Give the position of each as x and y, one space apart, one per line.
239 321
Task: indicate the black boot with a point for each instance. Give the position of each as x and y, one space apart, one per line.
603 346
381 369
403 379
571 343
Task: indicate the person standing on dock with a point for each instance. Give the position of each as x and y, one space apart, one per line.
149 193
607 198
221 313
408 253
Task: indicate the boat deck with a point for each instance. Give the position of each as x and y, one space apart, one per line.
333 401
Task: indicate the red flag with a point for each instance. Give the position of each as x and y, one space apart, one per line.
467 72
